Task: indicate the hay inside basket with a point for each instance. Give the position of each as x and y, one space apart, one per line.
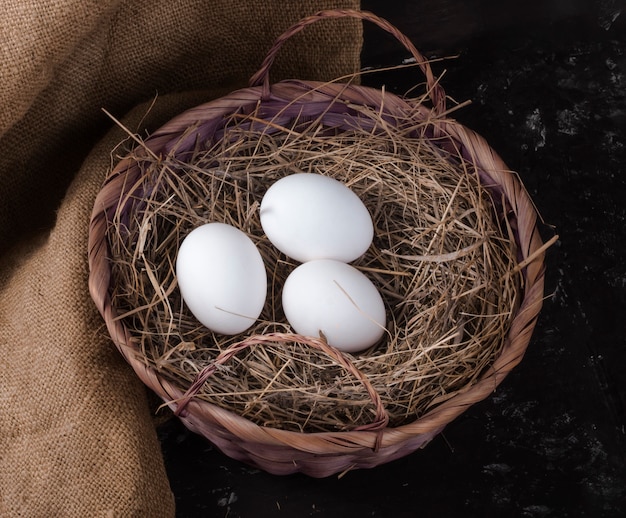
443 258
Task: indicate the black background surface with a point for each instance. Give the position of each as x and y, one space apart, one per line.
547 81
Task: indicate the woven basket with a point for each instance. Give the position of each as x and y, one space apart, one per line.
320 454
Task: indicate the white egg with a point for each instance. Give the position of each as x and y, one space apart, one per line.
221 277
337 299
309 216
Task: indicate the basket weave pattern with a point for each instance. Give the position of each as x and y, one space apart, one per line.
369 444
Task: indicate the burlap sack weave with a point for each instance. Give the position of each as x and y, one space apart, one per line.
77 436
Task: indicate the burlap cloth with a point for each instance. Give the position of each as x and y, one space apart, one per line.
77 430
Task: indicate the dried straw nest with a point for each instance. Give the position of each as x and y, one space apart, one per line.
456 256
443 262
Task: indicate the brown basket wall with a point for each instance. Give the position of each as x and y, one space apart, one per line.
324 453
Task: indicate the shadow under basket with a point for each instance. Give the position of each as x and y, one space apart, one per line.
457 257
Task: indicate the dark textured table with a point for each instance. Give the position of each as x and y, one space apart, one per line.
548 85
